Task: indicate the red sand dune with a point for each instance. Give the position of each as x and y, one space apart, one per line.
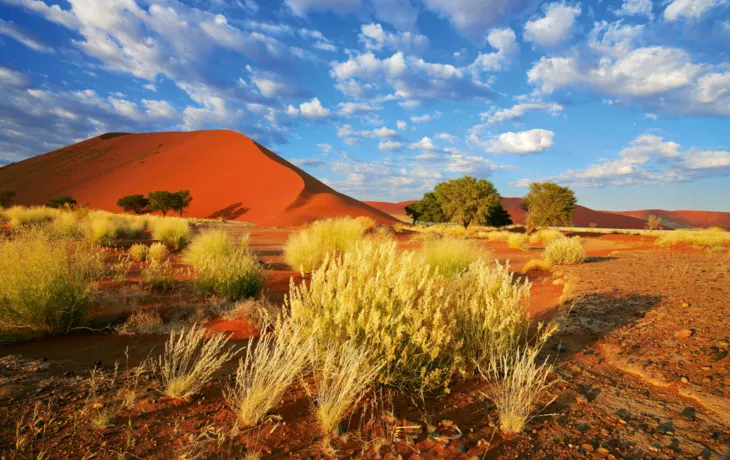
229 176
683 219
583 216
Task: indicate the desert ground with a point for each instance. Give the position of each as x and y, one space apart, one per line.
640 368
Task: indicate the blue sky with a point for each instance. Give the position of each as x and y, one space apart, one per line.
626 101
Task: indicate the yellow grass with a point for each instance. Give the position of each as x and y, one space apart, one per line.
138 252
172 231
450 256
20 216
714 237
307 249
536 265
157 252
564 251
545 236
517 240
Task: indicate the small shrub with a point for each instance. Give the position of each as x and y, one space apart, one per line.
564 251
536 265
450 256
308 248
256 311
67 226
33 216
138 252
157 253
709 237
346 373
173 232
211 243
120 270
46 285
102 231
653 223
141 322
545 236
266 371
159 275
517 241
189 361
62 202
518 382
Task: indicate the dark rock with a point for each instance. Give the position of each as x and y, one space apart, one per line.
716 354
623 414
688 413
462 448
666 427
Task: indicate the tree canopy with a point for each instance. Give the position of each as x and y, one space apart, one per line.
6 197
181 200
467 199
161 200
430 209
498 216
62 202
136 203
413 211
548 204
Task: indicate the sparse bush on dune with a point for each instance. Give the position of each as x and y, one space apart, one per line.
141 322
46 285
308 248
104 228
564 251
536 265
517 240
138 252
713 237
211 243
545 236
157 252
102 231
66 225
425 326
20 216
450 256
159 275
172 231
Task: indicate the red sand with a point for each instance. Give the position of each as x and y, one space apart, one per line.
683 219
583 216
229 176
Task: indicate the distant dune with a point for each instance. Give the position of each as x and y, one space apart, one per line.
229 176
683 219
583 217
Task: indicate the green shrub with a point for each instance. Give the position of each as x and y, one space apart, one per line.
20 216
233 273
171 231
46 285
157 253
449 256
517 240
138 252
211 243
308 248
564 251
425 326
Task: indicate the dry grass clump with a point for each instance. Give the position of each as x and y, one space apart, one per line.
423 325
224 267
189 361
308 248
518 383
159 275
347 372
138 252
266 372
517 240
104 228
496 235
20 216
141 322
545 236
257 311
450 256
537 265
172 231
713 237
66 225
157 252
46 285
564 251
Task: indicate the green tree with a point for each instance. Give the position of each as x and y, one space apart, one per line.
181 200
62 202
413 211
467 199
162 200
548 204
135 203
430 209
6 198
498 216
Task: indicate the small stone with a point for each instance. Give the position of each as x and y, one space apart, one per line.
462 448
716 354
684 380
603 451
587 447
683 334
581 399
447 423
689 413
623 414
666 427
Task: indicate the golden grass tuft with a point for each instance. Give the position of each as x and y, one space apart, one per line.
20 216
189 361
545 236
138 252
266 372
450 256
537 265
517 241
157 252
210 243
564 251
141 322
713 237
308 248
172 231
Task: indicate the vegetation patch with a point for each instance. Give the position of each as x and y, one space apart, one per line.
308 248
564 251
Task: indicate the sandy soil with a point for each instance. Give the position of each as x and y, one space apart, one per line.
641 362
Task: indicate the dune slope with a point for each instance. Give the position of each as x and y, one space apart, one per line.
229 176
684 218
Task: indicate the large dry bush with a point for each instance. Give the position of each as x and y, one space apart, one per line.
564 251
46 284
20 216
450 256
425 326
713 237
545 235
172 231
308 248
210 243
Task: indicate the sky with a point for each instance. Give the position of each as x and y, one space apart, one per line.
625 101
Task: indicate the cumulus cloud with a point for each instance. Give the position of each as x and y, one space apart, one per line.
496 116
689 9
355 108
351 136
505 42
523 142
425 145
426 117
389 146
402 125
311 110
555 27
374 37
636 8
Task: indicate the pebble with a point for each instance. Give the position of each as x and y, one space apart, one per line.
447 423
603 451
587 447
688 413
683 334
581 399
666 427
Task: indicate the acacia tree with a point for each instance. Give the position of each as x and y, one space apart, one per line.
135 203
467 199
548 204
498 216
413 211
653 222
65 201
430 209
181 200
161 200
6 197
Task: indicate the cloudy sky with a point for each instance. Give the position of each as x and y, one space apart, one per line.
626 101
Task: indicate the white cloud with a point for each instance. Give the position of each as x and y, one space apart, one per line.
159 109
636 8
389 146
497 116
398 13
126 108
689 9
522 143
355 108
553 28
375 38
9 77
707 159
402 125
425 144
505 42
304 7
324 147
447 137
352 136
313 110
24 37
426 117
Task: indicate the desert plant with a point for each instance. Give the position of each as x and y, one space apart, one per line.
66 225
428 209
138 252
135 203
548 204
62 202
102 230
157 252
159 275
345 374
545 235
708 237
20 216
308 248
6 198
450 256
181 200
518 383
414 212
498 216
173 232
266 371
141 322
236 276
517 240
45 285
189 361
536 265
258 311
211 243
564 251
467 199
120 270
653 222
161 200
